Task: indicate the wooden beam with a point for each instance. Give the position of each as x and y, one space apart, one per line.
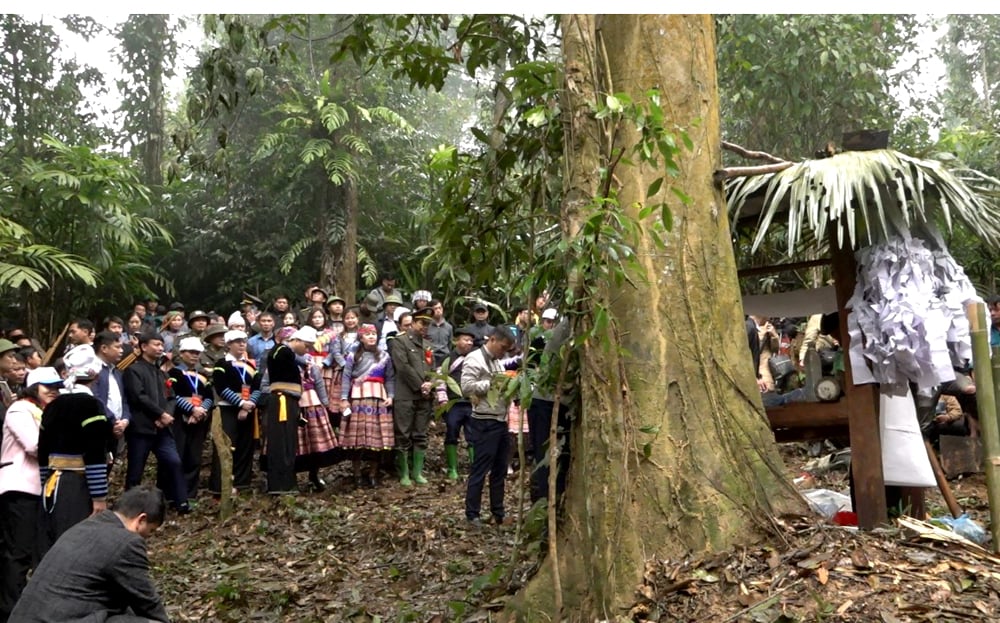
862 406
777 268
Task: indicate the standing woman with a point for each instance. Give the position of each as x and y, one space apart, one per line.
365 398
73 450
173 325
288 319
344 345
335 314
316 439
20 484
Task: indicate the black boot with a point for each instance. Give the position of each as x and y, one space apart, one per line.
318 484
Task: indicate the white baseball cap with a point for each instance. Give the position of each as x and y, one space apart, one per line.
43 376
306 334
550 314
235 334
191 343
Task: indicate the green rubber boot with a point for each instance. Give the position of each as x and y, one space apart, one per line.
403 465
451 458
418 466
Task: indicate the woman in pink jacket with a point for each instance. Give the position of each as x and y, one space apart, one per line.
21 485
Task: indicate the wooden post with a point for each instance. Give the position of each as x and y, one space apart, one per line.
224 450
862 405
987 407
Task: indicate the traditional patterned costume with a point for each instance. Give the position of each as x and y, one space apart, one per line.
369 379
235 381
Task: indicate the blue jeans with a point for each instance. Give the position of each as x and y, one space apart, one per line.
164 448
491 444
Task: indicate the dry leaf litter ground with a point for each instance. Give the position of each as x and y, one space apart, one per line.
394 554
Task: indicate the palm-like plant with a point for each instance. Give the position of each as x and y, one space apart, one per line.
869 194
73 235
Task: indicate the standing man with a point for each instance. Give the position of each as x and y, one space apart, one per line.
215 345
480 325
237 385
192 386
81 331
148 395
387 287
317 300
98 570
412 360
109 388
263 341
8 359
483 374
280 305
440 333
197 322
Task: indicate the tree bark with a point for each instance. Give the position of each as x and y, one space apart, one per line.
713 476
345 273
152 157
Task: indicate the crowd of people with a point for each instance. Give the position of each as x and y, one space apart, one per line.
295 390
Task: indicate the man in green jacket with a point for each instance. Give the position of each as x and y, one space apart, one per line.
413 360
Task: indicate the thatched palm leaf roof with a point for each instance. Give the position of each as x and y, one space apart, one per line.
875 192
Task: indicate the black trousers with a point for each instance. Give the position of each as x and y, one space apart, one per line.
168 462
282 443
456 420
491 445
240 433
190 440
18 545
539 422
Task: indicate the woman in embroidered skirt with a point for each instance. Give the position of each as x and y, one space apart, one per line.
367 392
333 365
317 441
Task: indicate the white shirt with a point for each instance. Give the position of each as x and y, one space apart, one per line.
114 395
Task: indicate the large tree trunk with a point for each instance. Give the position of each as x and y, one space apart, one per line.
345 274
339 260
152 157
713 476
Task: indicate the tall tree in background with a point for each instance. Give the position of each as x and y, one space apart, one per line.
73 227
970 107
790 83
147 51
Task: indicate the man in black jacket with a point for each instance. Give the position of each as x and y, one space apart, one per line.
98 570
148 393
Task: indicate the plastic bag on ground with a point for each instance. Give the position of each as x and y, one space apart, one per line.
964 526
826 502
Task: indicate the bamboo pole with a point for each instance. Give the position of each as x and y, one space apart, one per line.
987 408
52 349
